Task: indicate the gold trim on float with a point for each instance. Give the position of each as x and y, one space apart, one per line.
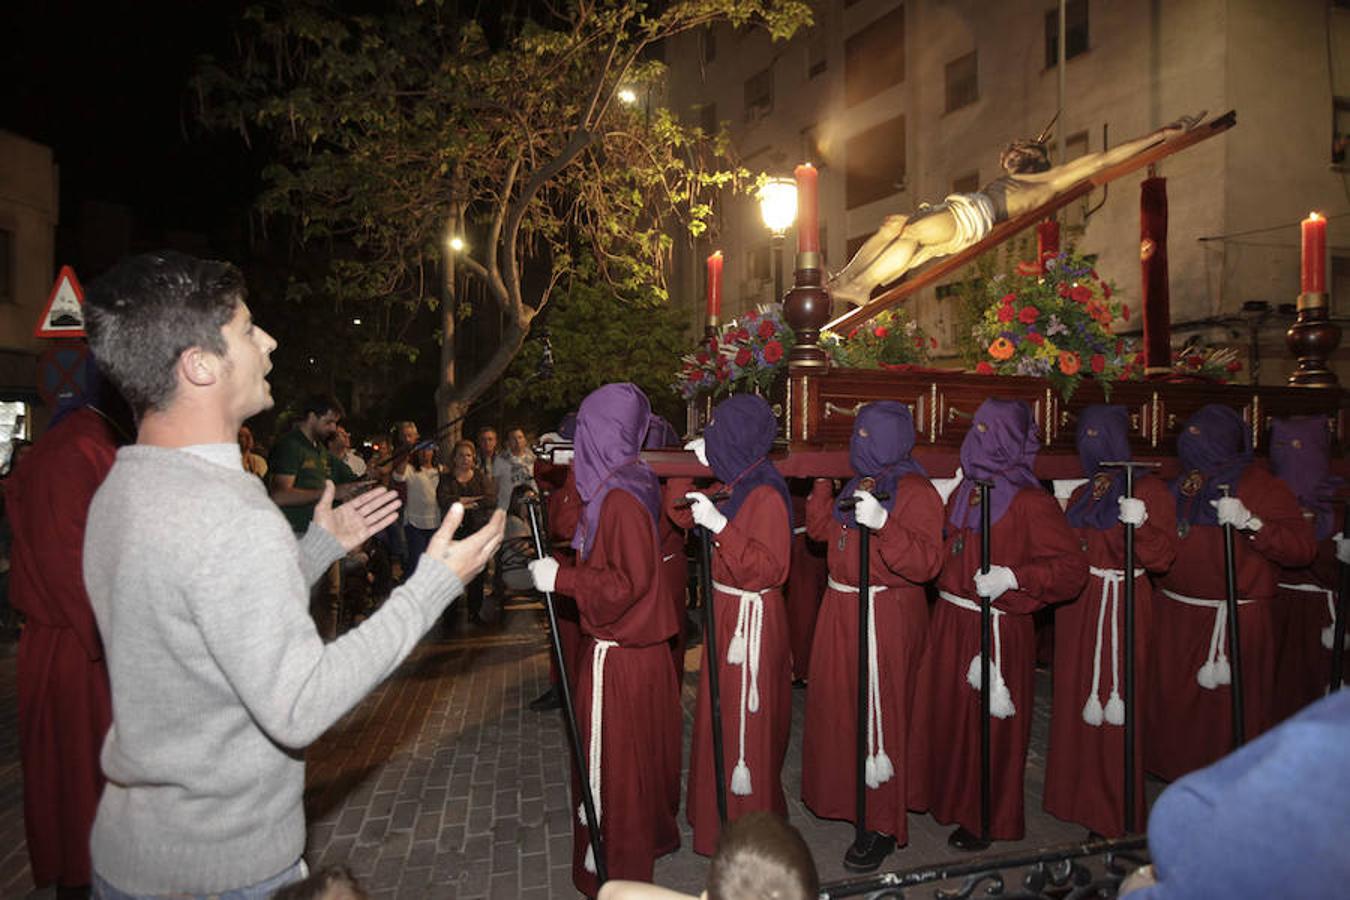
933 415
1157 414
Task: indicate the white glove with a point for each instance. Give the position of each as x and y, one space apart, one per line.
1342 547
697 446
1232 511
1064 487
945 486
995 582
704 512
544 572
1133 511
869 511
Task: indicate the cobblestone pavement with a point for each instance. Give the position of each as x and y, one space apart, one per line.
443 784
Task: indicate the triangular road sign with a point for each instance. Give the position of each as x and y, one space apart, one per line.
63 316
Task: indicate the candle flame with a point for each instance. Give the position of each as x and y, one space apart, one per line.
1315 216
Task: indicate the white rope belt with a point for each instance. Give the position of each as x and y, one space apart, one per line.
743 650
597 740
1000 698
1114 712
1216 670
1329 632
668 557
800 529
878 768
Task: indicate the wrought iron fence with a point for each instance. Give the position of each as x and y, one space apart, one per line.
1063 872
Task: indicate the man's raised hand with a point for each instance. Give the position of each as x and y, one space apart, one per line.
356 520
466 558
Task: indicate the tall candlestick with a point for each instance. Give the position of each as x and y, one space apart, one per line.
1314 279
715 288
808 209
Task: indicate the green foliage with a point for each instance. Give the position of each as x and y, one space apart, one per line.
596 340
891 338
390 130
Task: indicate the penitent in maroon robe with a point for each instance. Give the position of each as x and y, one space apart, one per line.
675 578
905 553
64 704
1188 726
805 589
1034 540
620 598
1085 772
1305 619
750 554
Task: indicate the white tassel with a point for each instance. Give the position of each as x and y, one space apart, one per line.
1115 710
1092 711
1206 676
870 772
1328 637
973 672
590 859
1000 704
736 650
1223 673
885 769
581 814
752 702
740 780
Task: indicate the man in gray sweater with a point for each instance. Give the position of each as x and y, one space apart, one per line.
201 591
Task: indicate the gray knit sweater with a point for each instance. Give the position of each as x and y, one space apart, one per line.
219 678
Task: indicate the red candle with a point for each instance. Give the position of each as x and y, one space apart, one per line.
808 209
1047 241
715 288
1314 254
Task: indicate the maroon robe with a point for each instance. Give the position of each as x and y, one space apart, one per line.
675 579
751 553
620 598
564 511
1304 631
1085 772
805 589
64 702
1186 726
1032 538
905 553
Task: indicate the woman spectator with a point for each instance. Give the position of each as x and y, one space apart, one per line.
421 514
468 485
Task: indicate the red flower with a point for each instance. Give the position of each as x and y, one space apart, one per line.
1098 362
1194 361
742 334
702 358
695 377
752 315
773 352
932 342
723 374
743 357
984 369
1081 293
918 343
1124 311
1062 290
1139 359
1095 276
1006 314
766 330
853 333
1234 366
880 331
1008 299
1120 346
1028 315
1106 290
1035 338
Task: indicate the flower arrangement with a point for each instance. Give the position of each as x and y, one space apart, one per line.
747 354
892 338
1206 363
1055 325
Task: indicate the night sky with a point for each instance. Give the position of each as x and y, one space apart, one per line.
106 87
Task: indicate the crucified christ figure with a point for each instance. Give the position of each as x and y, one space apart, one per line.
904 242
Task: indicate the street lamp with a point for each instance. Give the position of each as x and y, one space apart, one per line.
627 96
778 209
456 244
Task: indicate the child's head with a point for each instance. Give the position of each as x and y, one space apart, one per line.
762 857
333 883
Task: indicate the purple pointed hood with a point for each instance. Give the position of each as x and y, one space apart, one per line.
1103 436
883 439
611 424
1300 456
1214 448
1000 447
738 439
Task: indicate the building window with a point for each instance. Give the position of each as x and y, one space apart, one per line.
968 183
759 265
963 84
6 266
759 95
816 48
708 45
876 163
1076 22
874 58
1340 132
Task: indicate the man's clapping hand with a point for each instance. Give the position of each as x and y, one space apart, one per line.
466 558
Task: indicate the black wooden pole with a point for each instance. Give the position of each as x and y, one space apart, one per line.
986 640
711 660
1234 644
569 710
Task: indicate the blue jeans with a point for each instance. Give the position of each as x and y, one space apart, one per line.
417 540
260 891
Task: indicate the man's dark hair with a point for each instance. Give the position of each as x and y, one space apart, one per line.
146 310
1025 157
319 404
761 855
